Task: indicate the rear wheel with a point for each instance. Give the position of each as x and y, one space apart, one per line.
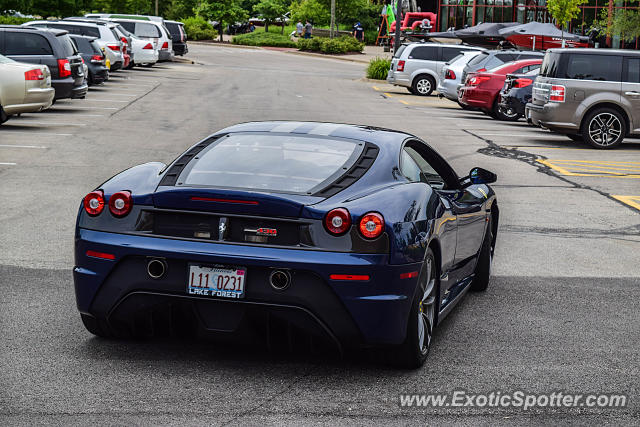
3 116
604 128
423 85
410 89
422 317
505 114
94 326
483 267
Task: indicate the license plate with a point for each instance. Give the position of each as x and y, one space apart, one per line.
217 281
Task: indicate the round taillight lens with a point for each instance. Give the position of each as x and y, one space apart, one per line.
337 221
372 225
94 203
120 203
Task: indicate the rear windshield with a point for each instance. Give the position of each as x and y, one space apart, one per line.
146 30
129 26
68 48
83 44
173 28
96 48
550 63
478 59
291 164
399 51
5 60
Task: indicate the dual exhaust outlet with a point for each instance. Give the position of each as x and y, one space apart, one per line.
278 279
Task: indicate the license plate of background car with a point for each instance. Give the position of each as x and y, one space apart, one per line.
216 281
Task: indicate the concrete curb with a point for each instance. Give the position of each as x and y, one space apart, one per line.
218 44
321 55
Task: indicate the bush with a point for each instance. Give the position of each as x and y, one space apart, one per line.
198 28
331 46
14 20
378 68
261 38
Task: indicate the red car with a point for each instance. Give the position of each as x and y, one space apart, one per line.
482 88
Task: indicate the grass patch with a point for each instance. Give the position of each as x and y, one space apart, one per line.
378 68
338 45
13 20
262 38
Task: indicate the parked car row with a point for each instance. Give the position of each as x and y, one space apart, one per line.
46 60
590 95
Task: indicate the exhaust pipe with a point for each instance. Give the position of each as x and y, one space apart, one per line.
280 279
156 268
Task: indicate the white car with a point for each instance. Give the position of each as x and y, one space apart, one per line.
152 31
451 76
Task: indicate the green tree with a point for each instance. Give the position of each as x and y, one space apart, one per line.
564 11
225 12
624 23
313 10
270 10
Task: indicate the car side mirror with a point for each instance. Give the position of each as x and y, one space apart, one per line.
481 176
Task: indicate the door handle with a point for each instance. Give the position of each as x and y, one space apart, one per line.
632 93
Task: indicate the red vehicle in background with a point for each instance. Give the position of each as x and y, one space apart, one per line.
482 88
412 21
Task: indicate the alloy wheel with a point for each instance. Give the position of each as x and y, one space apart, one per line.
423 86
427 309
605 129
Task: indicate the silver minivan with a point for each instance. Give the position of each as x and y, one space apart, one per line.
590 95
418 66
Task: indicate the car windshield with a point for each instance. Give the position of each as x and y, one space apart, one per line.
478 59
293 164
146 30
5 60
67 45
399 51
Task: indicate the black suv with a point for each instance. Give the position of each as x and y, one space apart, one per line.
178 37
93 57
52 48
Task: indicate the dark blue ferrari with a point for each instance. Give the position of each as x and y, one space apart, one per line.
354 234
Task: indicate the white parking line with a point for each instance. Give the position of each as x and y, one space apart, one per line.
8 164
120 94
518 135
74 114
21 146
31 134
94 108
103 100
29 122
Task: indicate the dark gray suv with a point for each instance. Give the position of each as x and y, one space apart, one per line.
52 48
588 94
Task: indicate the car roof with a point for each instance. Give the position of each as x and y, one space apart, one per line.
55 31
376 135
594 51
78 36
65 22
174 22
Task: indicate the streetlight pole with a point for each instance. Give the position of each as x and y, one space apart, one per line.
396 41
156 7
333 17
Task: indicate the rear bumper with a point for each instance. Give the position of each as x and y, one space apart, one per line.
68 88
475 97
547 115
165 55
180 49
364 313
37 99
146 56
398 78
512 102
449 89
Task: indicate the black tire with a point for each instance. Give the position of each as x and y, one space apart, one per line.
413 352
3 116
505 115
465 107
483 267
94 326
411 91
575 137
423 85
604 128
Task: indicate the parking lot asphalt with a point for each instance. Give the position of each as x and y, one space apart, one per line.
560 313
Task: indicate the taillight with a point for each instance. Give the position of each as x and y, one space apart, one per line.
557 93
64 68
337 221
165 45
372 225
481 70
114 47
97 58
522 82
120 203
94 202
34 75
124 40
400 66
476 80
148 46
450 75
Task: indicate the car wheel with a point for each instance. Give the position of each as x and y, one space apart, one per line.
93 325
422 317
410 89
3 116
505 114
423 85
482 273
576 137
604 128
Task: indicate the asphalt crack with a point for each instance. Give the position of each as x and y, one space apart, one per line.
494 150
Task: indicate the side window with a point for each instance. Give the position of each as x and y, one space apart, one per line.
632 70
409 167
427 53
593 67
448 53
21 43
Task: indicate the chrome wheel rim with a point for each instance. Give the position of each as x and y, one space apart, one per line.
605 129
423 86
427 309
509 112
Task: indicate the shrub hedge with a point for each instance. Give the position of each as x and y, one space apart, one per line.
262 38
343 44
198 28
378 68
